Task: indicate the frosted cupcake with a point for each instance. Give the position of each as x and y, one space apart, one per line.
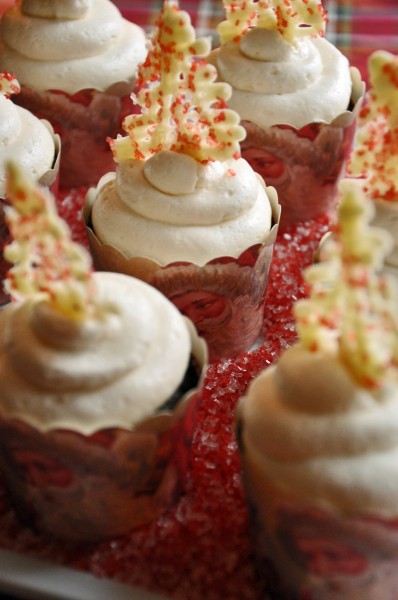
99 380
375 157
318 430
27 140
76 62
297 98
184 212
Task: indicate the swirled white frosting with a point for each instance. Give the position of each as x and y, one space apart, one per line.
24 139
311 429
94 51
90 375
224 211
386 217
275 82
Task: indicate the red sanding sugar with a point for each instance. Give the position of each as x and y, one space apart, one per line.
200 549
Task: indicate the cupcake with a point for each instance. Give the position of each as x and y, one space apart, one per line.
317 431
100 384
376 148
76 62
296 96
29 141
184 212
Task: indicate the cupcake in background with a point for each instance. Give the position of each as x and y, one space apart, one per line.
318 430
30 142
375 156
100 384
184 212
76 63
297 98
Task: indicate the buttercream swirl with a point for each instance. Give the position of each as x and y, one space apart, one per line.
93 374
313 429
276 82
227 211
71 54
24 139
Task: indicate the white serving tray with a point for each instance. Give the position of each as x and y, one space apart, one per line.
28 578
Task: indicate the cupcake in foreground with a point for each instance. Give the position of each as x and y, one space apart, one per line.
297 98
184 212
76 63
100 377
318 431
30 142
375 157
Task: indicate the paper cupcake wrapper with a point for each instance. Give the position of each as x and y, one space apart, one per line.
318 553
84 121
304 165
223 298
85 488
50 179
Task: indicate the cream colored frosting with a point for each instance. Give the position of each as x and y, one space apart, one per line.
87 375
312 429
277 82
386 217
24 139
94 51
227 211
60 9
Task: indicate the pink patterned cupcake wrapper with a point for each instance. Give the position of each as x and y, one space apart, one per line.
319 553
84 488
84 121
223 298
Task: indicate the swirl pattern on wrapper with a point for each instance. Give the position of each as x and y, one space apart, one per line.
91 52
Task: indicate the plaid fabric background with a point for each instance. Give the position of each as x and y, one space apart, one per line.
356 27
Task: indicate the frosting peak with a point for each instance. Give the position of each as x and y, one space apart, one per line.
56 9
107 373
24 138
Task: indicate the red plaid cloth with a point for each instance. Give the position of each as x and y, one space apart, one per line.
356 27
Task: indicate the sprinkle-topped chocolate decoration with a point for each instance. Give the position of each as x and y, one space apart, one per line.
376 152
47 264
291 18
8 84
351 311
183 107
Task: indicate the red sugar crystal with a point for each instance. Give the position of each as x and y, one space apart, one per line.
201 548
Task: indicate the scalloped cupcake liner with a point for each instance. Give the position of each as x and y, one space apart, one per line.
84 121
86 488
304 165
224 298
310 551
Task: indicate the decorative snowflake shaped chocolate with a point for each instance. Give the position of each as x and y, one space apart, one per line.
291 18
376 153
8 84
352 310
47 264
183 107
